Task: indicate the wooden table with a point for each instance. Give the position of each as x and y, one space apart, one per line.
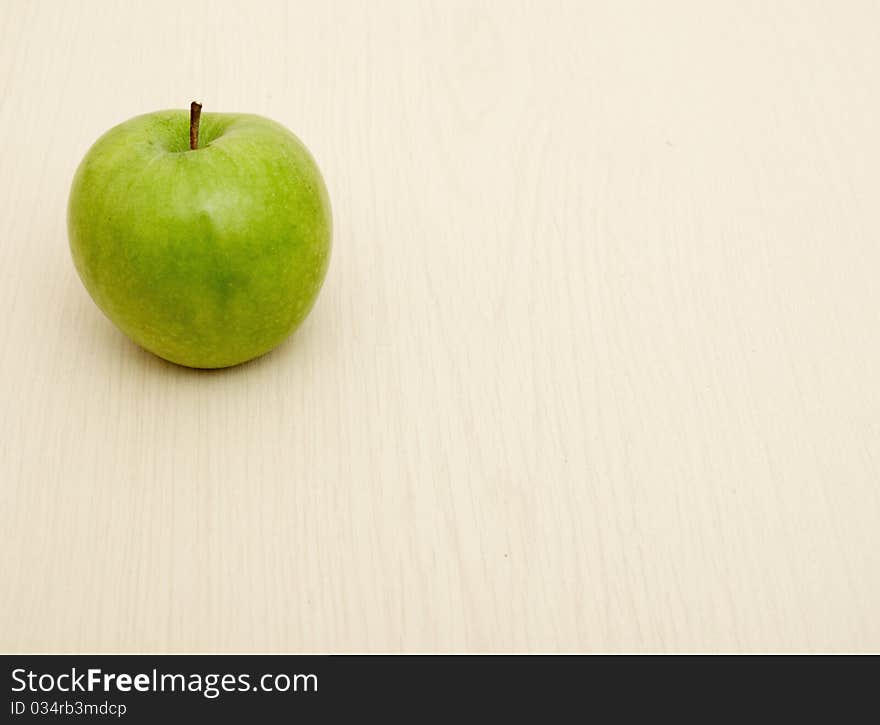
596 366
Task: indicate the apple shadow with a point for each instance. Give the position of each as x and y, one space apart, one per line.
151 360
292 347
115 343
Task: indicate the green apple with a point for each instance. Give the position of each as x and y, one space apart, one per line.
204 237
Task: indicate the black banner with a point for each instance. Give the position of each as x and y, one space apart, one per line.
191 688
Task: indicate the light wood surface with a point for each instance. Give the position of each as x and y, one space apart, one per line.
596 366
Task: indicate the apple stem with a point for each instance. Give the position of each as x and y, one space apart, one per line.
195 114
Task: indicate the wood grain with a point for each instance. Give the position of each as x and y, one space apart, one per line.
596 366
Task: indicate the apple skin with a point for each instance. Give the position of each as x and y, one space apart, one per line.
207 257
